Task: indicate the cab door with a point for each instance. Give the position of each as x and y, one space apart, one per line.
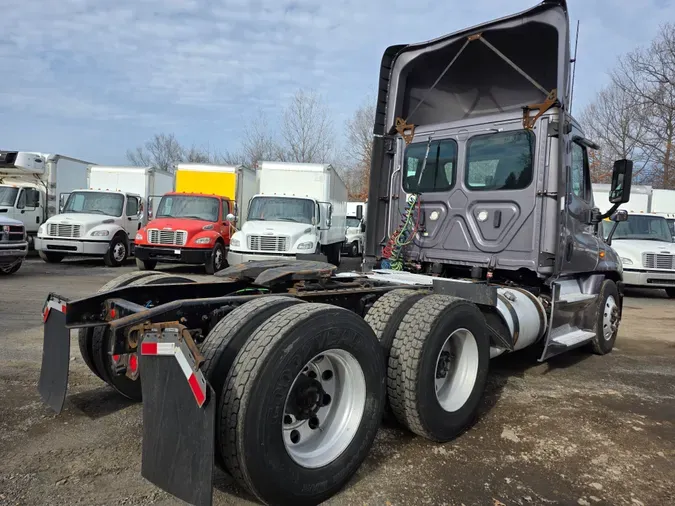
581 246
132 220
29 210
223 226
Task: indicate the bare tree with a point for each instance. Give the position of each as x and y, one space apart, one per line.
259 142
161 152
307 129
649 75
617 122
359 150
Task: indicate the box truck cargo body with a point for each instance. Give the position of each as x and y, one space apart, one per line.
301 208
104 219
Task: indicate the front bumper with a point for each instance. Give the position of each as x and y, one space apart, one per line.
71 246
10 254
180 255
240 257
649 279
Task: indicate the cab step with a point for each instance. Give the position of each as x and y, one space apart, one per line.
574 337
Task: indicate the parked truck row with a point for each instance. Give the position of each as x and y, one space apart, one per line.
280 372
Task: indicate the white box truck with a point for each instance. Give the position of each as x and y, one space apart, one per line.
301 209
33 185
355 234
104 219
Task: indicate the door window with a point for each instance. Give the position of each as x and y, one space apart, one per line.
132 206
500 161
579 172
439 172
21 203
225 210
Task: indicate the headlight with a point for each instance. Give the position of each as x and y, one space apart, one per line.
306 245
99 233
626 261
41 230
203 240
139 237
235 242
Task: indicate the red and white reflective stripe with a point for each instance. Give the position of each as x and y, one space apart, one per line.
195 378
52 304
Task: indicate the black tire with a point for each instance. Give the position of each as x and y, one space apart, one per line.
334 254
670 292
600 344
218 260
354 249
253 403
146 265
100 344
50 257
413 363
228 336
11 270
85 335
118 251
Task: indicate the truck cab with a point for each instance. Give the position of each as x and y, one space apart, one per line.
92 223
188 228
24 202
644 242
355 236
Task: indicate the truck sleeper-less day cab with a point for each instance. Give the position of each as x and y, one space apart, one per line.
103 220
280 371
301 209
188 228
34 185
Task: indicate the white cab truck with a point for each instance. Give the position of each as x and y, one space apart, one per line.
13 245
645 241
355 235
301 209
33 186
103 220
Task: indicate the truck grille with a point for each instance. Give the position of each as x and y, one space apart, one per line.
172 237
11 233
64 230
658 261
267 242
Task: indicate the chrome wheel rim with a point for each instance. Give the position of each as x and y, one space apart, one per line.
610 318
324 408
456 370
119 251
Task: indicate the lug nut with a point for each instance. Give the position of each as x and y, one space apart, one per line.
312 374
314 423
288 419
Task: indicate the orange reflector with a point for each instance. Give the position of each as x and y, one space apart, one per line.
602 254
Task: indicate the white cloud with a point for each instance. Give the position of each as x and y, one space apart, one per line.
158 61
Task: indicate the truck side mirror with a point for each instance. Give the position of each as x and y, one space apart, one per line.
359 212
622 176
619 216
363 227
231 218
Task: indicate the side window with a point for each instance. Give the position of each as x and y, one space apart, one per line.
500 161
21 203
439 171
579 172
132 206
225 210
32 198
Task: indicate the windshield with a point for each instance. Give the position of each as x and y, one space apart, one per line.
189 206
353 222
8 195
671 225
109 204
649 228
281 209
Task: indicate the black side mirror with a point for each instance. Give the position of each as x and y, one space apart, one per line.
359 212
619 216
622 176
363 227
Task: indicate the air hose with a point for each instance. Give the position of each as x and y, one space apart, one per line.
392 253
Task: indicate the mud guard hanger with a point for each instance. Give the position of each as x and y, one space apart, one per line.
407 130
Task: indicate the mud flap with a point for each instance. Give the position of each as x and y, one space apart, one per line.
53 382
178 435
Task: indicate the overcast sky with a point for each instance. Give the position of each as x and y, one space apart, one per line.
90 79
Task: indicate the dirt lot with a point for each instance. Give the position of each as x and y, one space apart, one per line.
579 429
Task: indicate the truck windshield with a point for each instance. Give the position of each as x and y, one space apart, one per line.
109 204
281 209
8 195
671 225
353 222
646 228
189 207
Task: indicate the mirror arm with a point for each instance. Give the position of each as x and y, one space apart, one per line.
610 212
611 234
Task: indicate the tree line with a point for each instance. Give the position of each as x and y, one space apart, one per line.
305 133
634 115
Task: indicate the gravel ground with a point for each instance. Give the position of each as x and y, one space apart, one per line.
579 429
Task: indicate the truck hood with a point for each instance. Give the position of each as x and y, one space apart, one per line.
4 220
287 228
480 81
633 249
79 219
190 226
